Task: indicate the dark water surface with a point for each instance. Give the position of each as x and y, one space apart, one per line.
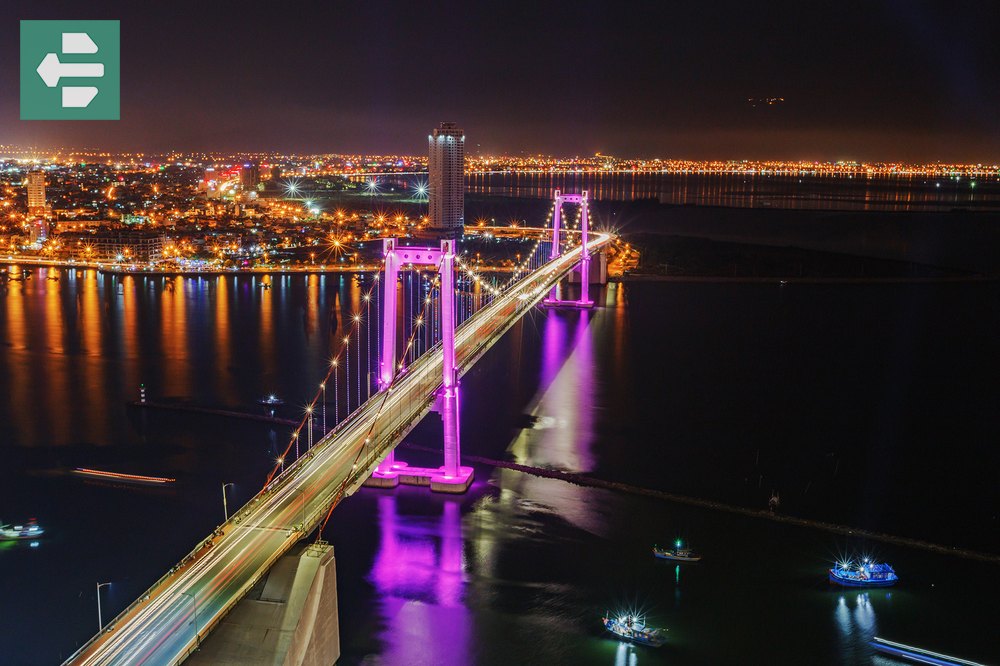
873 405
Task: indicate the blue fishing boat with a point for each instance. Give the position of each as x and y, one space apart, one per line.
865 574
633 628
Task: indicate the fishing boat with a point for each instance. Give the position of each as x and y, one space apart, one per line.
30 530
865 574
679 552
633 628
271 400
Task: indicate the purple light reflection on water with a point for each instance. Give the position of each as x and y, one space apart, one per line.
565 404
419 576
565 413
553 352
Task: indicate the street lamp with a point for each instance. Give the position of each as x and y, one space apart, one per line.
323 386
309 411
100 620
194 607
225 506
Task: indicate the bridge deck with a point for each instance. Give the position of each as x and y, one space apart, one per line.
165 625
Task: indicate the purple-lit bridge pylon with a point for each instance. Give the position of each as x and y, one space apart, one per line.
451 476
167 622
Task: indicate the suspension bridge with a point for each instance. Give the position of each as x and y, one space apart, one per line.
459 318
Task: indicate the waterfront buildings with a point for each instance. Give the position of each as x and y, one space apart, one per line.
446 173
112 246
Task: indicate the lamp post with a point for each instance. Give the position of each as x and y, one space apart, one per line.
309 442
100 620
336 392
323 386
225 507
194 608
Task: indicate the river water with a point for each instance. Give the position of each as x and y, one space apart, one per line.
872 405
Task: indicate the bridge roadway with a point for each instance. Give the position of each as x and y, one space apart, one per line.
166 623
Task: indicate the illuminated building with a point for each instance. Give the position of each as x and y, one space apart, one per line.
113 246
446 167
38 231
36 193
249 176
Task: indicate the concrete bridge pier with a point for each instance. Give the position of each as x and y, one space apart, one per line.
598 270
289 618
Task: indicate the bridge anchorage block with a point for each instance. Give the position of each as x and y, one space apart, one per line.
576 305
382 479
455 485
437 478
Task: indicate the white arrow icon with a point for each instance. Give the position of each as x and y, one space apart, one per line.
51 70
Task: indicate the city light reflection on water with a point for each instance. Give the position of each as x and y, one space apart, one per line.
625 655
520 555
856 622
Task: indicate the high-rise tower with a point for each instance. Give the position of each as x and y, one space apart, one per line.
36 193
446 166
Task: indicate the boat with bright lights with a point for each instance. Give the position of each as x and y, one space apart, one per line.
271 401
30 530
863 574
633 628
679 553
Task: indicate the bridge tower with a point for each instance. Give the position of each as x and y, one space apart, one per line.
559 199
451 477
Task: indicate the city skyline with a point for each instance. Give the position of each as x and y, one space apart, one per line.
673 342
365 162
867 82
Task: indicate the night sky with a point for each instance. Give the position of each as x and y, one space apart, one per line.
876 80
